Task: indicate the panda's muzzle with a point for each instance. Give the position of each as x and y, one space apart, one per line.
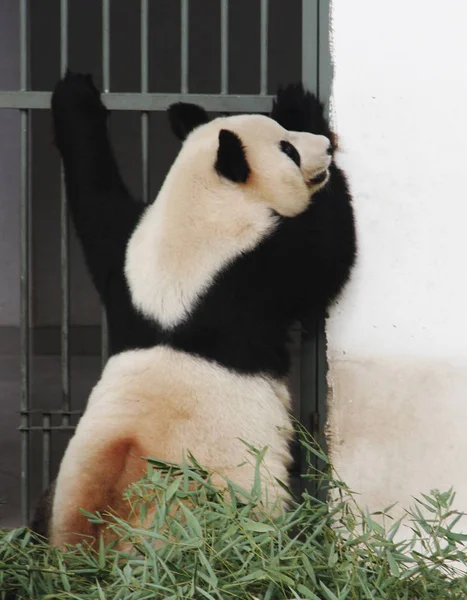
321 177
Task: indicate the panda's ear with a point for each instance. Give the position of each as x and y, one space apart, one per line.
184 117
231 158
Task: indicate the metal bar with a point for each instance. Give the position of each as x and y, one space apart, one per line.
63 35
64 245
324 78
308 368
325 67
51 428
24 261
310 44
144 90
264 47
106 45
148 102
39 411
184 19
106 85
224 46
104 337
46 446
313 356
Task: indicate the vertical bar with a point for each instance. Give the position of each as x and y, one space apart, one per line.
184 46
64 247
63 35
325 75
325 67
308 367
264 47
224 46
24 260
106 82
46 439
313 356
144 90
106 45
310 44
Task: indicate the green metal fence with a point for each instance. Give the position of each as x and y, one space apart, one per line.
315 75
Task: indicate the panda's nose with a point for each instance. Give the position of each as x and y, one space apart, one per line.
330 149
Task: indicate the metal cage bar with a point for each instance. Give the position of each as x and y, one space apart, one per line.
46 448
24 264
263 87
310 44
144 90
224 46
148 102
309 351
106 85
184 32
64 246
313 364
106 45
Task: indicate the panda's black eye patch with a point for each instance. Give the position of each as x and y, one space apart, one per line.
291 151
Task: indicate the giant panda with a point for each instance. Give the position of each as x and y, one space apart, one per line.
223 262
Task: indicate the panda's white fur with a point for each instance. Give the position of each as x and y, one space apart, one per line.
201 221
164 402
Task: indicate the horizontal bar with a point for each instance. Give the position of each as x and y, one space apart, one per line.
148 102
39 411
51 428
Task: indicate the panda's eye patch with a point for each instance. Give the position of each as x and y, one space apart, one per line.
291 151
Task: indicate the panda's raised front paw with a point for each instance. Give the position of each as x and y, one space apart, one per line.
296 109
76 96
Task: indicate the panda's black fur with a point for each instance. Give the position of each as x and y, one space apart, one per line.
243 319
313 252
103 211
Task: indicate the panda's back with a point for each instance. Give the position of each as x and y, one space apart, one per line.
170 403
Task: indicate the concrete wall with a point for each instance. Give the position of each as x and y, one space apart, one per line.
398 337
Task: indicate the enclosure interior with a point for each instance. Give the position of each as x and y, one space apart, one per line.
214 47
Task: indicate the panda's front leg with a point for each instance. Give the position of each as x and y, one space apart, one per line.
104 213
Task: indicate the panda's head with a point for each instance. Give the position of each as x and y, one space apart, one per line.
231 183
253 154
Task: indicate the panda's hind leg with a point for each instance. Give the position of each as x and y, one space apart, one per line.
103 211
93 477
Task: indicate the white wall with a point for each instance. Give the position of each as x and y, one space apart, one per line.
398 337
